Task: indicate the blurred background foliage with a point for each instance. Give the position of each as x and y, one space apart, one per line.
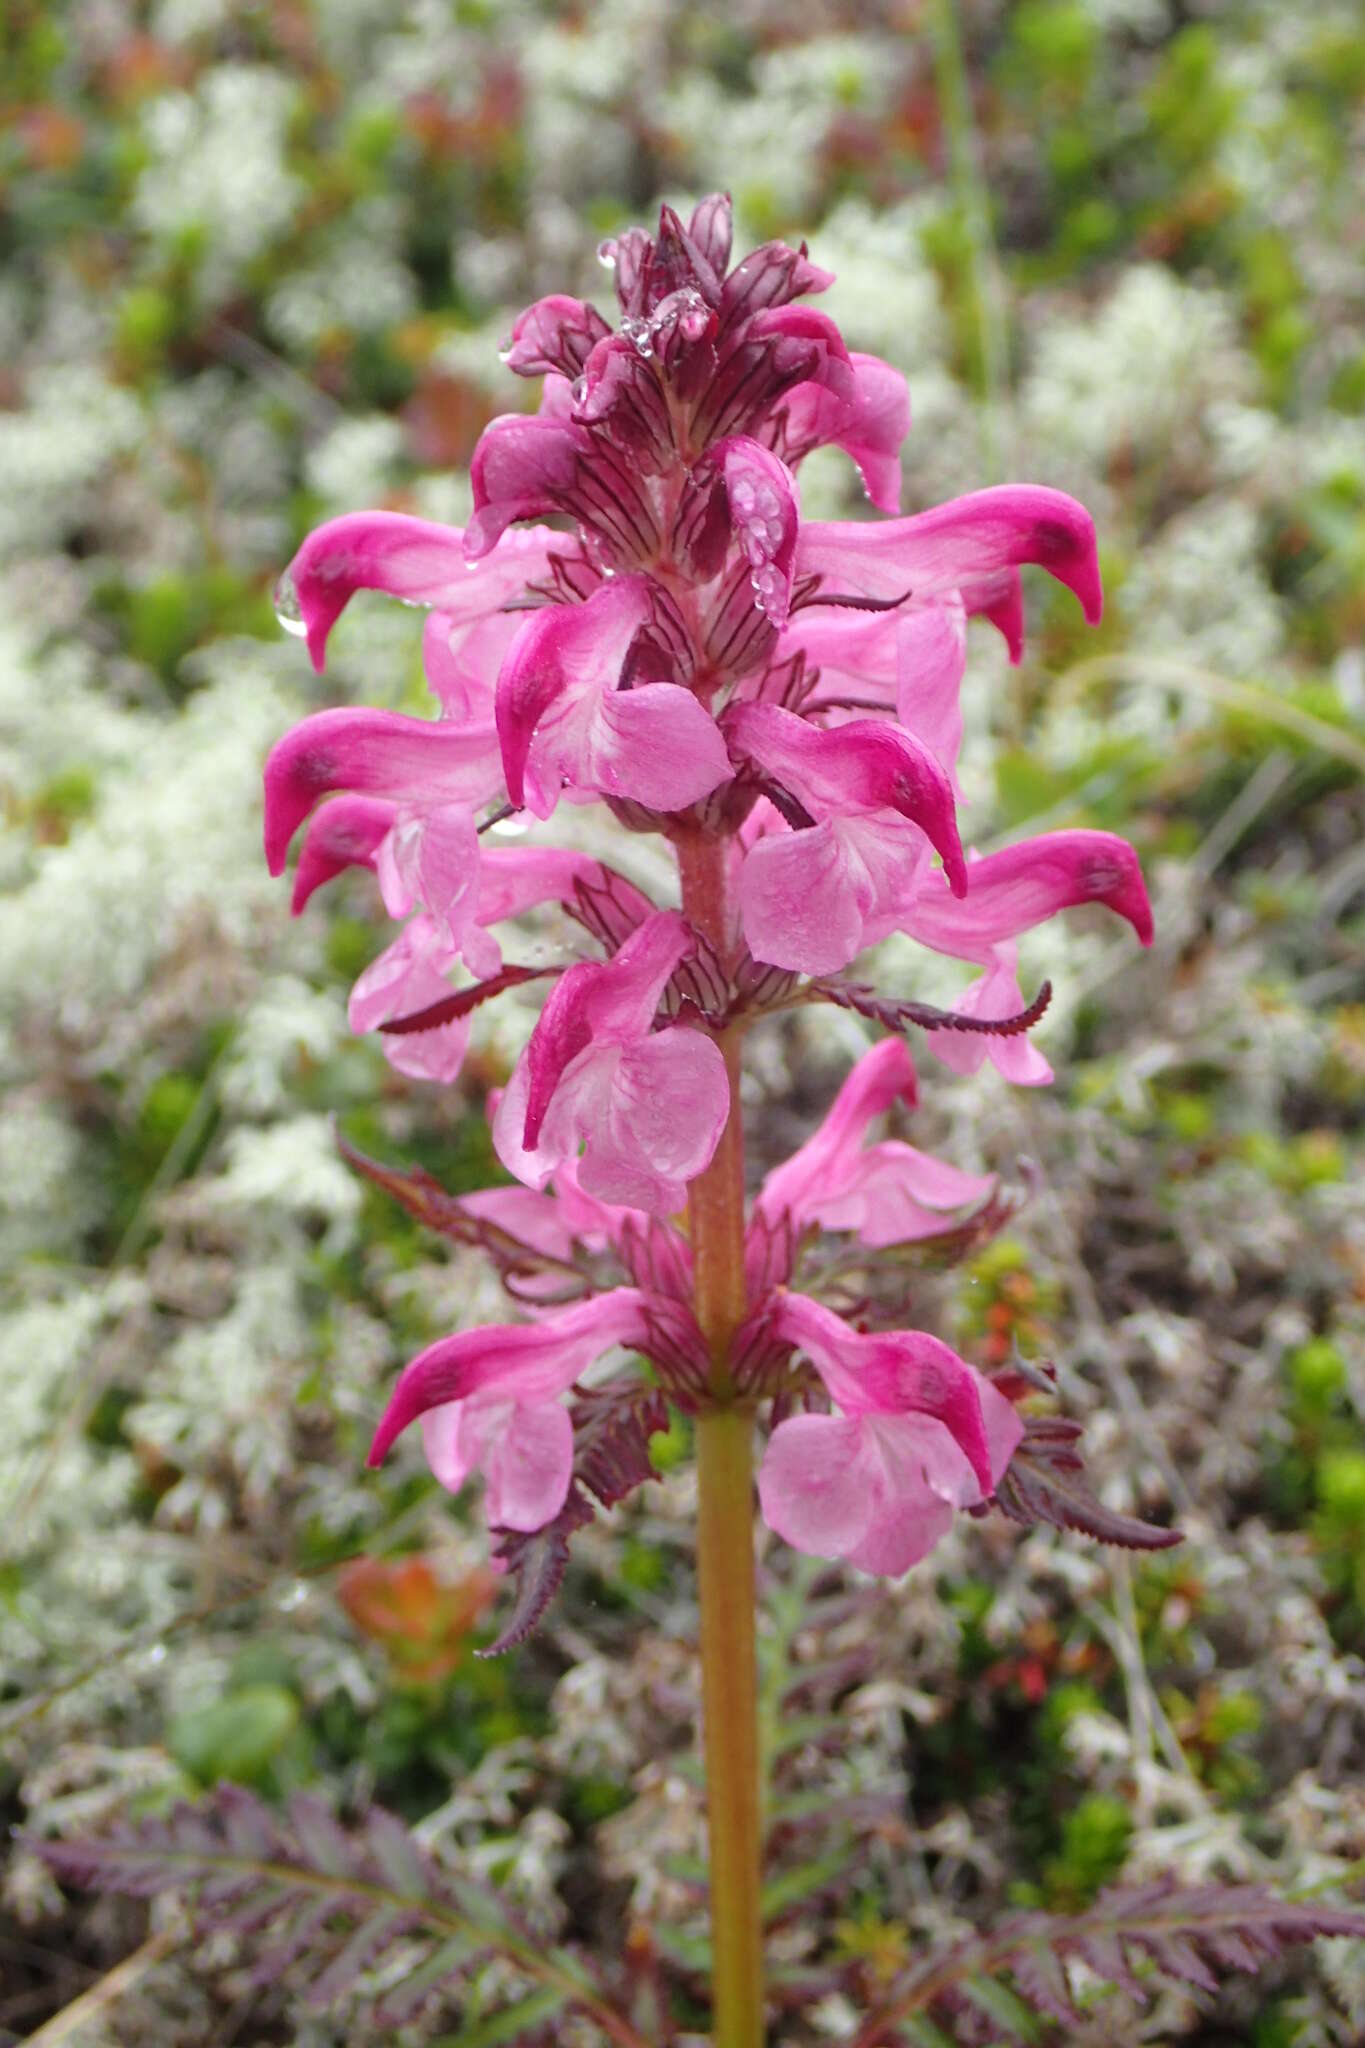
257 261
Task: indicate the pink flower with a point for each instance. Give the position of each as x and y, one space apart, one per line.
572 715
920 1434
878 801
887 1193
647 1106
490 1400
1011 891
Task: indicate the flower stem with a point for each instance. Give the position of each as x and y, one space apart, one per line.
729 1684
725 1522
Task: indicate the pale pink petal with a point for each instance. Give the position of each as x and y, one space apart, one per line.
452 1446
1011 891
820 1168
818 1485
893 1194
804 899
890 1372
656 744
374 753
996 995
524 1362
528 1466
347 831
669 1103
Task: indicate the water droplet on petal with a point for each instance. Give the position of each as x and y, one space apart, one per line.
606 254
288 610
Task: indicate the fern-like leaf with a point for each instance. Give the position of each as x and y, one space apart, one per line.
1045 1482
1191 1935
330 1906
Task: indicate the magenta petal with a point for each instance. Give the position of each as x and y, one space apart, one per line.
869 426
555 334
862 767
523 467
527 1362
600 1003
377 753
1011 891
345 832
972 544
817 1485
413 559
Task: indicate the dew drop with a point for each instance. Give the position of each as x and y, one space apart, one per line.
157 1654
606 254
288 610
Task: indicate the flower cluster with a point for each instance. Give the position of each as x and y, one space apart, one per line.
780 699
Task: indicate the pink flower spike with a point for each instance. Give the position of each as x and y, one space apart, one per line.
763 509
345 832
563 719
648 1107
973 545
921 1434
521 1369
1011 891
997 995
375 753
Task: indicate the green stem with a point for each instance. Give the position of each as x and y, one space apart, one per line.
725 1524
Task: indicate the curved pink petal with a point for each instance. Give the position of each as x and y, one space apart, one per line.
669 1103
345 832
894 1194
524 466
525 1362
601 1003
870 425
415 560
973 545
864 766
1011 891
804 900
374 753
656 744
820 1168
892 1372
